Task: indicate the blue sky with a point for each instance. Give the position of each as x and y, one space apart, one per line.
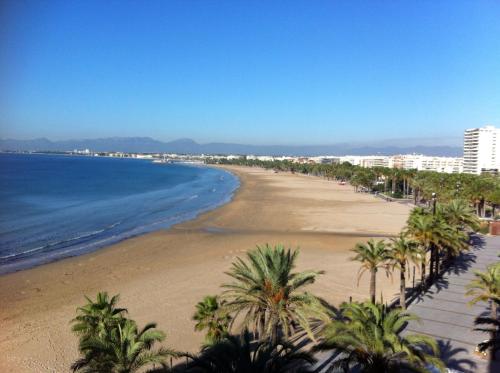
262 72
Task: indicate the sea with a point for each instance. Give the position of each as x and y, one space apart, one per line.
57 206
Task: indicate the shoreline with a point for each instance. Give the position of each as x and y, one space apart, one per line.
161 275
103 242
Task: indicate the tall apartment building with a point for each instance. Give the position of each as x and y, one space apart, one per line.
482 150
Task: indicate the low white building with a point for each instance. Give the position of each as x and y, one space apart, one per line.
422 162
260 157
418 162
367 161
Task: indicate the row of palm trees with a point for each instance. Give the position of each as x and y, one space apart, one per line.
478 190
429 234
264 313
366 335
257 324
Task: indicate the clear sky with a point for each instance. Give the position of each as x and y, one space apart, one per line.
262 72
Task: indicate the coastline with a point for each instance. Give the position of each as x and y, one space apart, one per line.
49 233
161 275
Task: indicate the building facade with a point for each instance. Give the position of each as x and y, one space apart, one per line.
422 162
482 150
418 162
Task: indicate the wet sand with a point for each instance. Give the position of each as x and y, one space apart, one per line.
160 276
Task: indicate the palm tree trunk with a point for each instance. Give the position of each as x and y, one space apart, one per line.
431 263
422 279
402 287
437 263
262 323
494 331
373 279
274 335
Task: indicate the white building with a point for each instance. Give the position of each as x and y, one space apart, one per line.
422 162
482 150
367 161
418 162
260 157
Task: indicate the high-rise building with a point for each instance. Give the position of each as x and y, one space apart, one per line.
482 150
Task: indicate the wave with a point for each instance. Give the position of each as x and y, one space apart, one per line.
59 243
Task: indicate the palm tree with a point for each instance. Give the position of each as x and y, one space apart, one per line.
395 174
417 184
403 251
493 199
447 238
239 354
96 317
458 214
421 228
270 295
450 239
372 255
124 349
369 340
211 315
477 191
486 288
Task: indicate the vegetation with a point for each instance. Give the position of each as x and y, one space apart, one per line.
240 354
110 342
94 319
372 255
478 190
270 295
403 251
212 316
437 234
492 327
486 288
369 338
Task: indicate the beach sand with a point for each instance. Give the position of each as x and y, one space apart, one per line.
162 275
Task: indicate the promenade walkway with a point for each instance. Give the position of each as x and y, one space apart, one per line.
446 315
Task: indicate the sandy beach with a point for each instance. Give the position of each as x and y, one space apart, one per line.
160 276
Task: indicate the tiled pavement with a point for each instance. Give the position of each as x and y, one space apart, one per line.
446 316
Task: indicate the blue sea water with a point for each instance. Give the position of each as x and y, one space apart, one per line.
52 206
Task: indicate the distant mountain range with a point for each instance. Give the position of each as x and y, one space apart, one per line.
188 146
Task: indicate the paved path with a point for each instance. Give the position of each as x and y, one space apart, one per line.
447 317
